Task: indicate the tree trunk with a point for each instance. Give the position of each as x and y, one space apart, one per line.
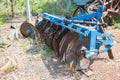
12 7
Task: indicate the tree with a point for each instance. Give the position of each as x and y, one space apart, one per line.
12 7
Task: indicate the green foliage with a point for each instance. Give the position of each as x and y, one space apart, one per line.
19 6
116 19
50 6
4 11
35 6
56 9
4 15
117 24
39 6
37 48
53 8
45 52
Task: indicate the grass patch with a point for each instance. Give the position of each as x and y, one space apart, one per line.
116 19
46 52
117 24
43 50
38 48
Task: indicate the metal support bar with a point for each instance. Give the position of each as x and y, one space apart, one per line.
97 15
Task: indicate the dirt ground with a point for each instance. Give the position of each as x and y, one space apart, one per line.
23 65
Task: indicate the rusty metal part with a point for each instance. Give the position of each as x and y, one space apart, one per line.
110 54
64 42
75 56
49 34
27 26
112 12
112 8
41 28
57 38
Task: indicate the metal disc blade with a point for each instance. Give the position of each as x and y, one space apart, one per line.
57 38
42 27
74 57
49 34
64 42
24 27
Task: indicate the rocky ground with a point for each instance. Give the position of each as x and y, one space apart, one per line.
21 60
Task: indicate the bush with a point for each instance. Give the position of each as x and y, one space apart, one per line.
53 8
117 24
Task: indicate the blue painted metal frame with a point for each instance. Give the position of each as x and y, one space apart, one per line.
96 39
97 15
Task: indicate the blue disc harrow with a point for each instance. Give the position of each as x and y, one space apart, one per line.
76 40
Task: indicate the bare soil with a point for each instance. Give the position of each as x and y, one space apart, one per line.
28 66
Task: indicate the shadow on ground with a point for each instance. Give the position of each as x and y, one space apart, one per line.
57 69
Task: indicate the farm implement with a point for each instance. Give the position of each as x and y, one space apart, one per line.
76 40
